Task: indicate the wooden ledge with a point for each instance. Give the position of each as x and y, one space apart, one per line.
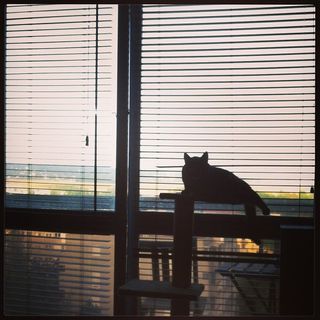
160 289
173 196
219 200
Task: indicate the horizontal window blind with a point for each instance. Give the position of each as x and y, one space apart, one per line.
61 106
50 273
239 82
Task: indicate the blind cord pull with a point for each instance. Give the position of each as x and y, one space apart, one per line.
87 141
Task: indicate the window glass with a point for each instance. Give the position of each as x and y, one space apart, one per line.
239 83
61 106
49 273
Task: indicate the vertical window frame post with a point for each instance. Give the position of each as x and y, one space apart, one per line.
317 168
121 157
134 136
2 148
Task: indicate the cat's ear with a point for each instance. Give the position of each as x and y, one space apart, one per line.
186 157
205 157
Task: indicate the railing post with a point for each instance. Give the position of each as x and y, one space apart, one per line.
182 252
182 245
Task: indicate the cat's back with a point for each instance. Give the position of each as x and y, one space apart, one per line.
217 172
224 179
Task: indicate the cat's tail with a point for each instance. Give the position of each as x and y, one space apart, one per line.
266 211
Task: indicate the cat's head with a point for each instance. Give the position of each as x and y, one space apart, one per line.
196 164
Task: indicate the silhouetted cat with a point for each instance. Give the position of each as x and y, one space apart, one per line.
211 184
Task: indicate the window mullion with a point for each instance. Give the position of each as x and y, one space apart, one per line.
96 110
134 135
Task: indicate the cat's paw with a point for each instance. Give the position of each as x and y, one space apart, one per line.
266 211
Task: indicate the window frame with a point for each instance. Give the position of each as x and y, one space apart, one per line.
73 221
115 223
222 225
158 222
